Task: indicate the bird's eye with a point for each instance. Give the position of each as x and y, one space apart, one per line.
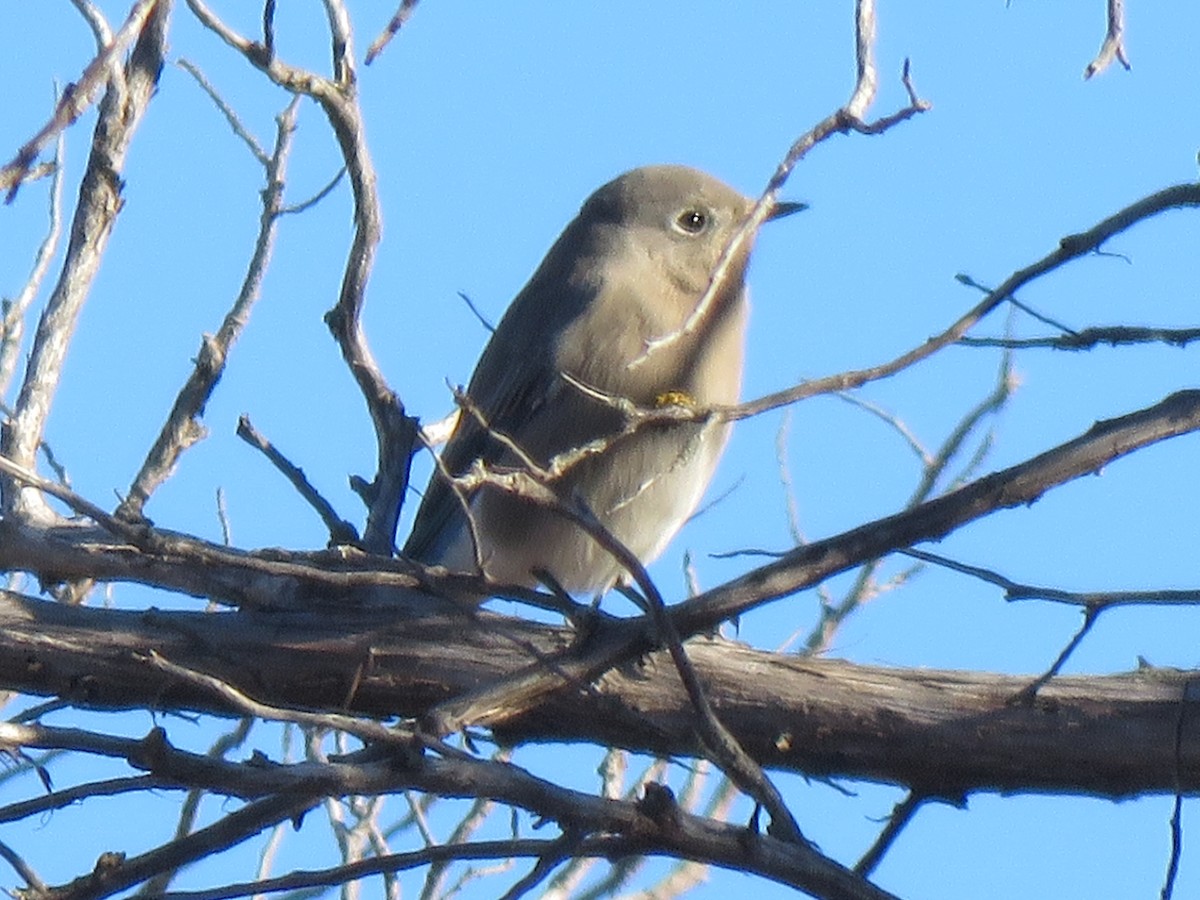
691 221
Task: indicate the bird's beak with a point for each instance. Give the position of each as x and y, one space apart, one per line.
785 208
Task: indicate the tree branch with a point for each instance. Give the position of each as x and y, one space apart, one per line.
942 733
121 111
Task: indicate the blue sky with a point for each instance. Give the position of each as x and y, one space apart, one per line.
491 122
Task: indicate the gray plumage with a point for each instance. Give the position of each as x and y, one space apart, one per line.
629 269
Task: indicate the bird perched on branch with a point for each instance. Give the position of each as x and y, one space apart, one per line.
619 315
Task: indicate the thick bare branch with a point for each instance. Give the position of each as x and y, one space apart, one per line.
121 110
396 432
821 716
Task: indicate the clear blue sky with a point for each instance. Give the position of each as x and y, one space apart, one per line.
489 124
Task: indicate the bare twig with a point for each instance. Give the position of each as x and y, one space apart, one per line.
124 102
1114 42
1098 600
964 278
111 787
340 531
991 405
182 428
235 122
223 518
890 418
483 320
1021 484
791 505
297 208
395 431
362 728
14 859
900 817
1087 338
843 121
1168 889
79 96
80 505
407 8
1072 247
12 316
1028 693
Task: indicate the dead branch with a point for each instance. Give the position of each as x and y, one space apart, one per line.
942 733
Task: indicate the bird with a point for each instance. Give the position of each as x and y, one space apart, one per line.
608 317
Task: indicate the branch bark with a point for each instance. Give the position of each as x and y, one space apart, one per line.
942 733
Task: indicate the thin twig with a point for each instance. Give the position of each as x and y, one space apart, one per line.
890 418
1028 693
227 111
407 8
963 278
110 787
303 205
80 95
395 431
1113 46
791 506
1087 338
1168 889
483 320
365 729
340 531
1099 600
843 121
901 815
1070 248
12 325
126 100
26 871
182 428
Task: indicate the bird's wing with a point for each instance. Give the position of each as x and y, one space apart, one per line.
507 390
